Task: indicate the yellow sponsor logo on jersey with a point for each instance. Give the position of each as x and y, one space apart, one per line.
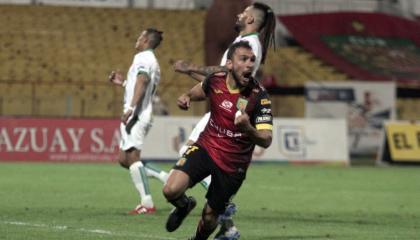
217 91
265 101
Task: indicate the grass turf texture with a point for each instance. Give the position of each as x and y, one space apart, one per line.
276 202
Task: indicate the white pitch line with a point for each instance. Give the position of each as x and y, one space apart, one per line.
96 231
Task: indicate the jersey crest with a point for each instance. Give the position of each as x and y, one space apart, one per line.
241 104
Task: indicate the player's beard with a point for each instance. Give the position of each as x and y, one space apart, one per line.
238 26
236 78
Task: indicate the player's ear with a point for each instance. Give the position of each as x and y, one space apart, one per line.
251 19
229 64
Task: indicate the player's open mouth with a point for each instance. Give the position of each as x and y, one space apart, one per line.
247 75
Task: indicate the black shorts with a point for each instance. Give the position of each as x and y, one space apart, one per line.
197 164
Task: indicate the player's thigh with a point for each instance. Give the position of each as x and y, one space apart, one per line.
223 188
196 163
136 137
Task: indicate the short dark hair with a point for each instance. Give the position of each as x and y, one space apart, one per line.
236 45
154 36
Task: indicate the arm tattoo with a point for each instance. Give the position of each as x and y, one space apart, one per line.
207 70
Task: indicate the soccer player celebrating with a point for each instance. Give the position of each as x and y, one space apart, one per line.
256 26
140 87
224 149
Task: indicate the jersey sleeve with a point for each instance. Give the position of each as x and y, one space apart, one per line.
143 66
224 58
256 47
263 118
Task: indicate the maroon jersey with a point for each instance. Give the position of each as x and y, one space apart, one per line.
230 148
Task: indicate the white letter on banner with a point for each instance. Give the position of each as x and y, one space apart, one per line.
115 141
75 138
44 139
19 144
5 140
58 140
96 135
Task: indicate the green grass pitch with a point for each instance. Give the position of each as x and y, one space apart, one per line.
277 202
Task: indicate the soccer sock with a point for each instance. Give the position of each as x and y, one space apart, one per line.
202 233
153 171
139 177
180 202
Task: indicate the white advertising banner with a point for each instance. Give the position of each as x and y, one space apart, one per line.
166 136
97 140
307 140
365 105
294 140
85 3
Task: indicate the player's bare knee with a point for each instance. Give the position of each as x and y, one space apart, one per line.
122 161
170 192
123 164
176 184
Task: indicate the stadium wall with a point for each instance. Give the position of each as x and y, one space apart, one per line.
97 140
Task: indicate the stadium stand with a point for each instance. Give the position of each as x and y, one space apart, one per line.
299 66
55 61
408 109
16 99
292 66
75 48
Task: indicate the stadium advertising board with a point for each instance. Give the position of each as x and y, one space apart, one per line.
294 140
58 139
307 140
365 105
96 140
403 141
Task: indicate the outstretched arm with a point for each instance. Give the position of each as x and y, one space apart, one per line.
198 73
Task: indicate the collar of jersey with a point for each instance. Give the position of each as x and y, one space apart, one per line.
249 34
231 90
